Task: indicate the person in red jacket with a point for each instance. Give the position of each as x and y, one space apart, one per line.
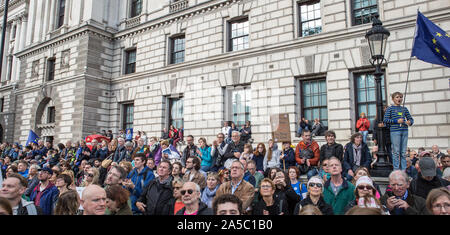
307 155
363 125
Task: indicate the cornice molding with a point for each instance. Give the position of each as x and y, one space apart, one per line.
86 30
172 18
12 5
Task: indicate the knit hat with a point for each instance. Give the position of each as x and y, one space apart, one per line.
364 180
315 179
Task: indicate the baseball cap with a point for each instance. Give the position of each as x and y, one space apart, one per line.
47 170
427 167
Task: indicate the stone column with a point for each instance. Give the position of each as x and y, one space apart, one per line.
67 12
52 15
6 53
46 19
29 38
18 32
23 33
38 20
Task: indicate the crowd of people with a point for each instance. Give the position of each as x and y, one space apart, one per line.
140 175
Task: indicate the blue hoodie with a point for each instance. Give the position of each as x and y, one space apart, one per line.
24 173
140 181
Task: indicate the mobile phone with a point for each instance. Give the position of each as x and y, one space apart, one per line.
390 193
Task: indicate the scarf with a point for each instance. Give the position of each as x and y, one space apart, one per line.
357 154
208 195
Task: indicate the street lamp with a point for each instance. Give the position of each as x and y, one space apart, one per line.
377 38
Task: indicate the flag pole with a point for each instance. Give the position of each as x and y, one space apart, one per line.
410 58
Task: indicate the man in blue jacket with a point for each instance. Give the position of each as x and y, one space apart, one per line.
138 179
45 194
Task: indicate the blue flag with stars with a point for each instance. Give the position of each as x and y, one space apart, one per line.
431 43
32 138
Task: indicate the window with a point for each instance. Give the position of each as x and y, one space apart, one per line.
128 116
50 69
136 8
14 30
61 11
176 109
51 114
366 96
238 35
177 48
130 61
10 67
314 101
2 104
310 21
363 10
240 105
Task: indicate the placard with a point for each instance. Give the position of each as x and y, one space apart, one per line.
281 130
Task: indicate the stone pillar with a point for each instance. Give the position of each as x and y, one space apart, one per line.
23 33
6 53
29 38
67 12
52 15
46 19
18 34
38 21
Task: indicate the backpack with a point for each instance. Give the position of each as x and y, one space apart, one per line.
307 153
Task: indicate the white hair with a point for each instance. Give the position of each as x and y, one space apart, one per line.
239 133
397 174
35 166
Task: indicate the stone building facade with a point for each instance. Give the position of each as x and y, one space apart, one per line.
74 67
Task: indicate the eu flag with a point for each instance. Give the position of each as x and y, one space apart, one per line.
431 43
32 138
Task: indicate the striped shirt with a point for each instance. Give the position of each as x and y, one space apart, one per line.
393 113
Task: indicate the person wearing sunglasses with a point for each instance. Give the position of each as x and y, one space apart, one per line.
190 195
365 196
314 197
91 176
362 171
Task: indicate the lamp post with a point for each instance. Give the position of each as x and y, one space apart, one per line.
377 38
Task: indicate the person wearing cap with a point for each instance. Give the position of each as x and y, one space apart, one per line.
45 194
400 200
314 197
365 195
427 179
